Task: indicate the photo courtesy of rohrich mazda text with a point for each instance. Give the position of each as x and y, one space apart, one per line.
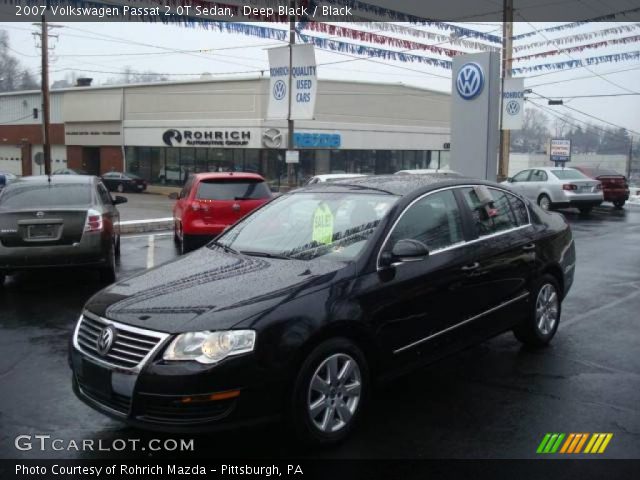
339 239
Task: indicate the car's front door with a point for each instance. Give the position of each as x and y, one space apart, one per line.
411 302
520 182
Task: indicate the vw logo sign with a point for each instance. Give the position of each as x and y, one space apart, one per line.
513 107
279 90
470 81
40 214
105 340
272 138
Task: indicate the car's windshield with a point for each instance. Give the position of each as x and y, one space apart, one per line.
309 225
568 174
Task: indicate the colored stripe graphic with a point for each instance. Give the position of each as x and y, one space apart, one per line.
574 443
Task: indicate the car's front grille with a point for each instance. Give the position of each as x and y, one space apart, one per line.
131 345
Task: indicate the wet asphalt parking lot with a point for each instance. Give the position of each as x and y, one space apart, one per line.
495 400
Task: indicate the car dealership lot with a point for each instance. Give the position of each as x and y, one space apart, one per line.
496 400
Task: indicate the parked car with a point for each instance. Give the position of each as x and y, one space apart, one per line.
297 309
557 187
211 202
70 171
8 177
124 182
332 177
61 221
426 171
615 187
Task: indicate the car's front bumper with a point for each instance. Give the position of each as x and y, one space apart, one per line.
179 396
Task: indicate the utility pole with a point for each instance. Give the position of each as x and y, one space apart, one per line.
46 141
290 123
507 61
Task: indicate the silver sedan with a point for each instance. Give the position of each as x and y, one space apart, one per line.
557 187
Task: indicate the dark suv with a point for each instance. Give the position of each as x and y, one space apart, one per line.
62 220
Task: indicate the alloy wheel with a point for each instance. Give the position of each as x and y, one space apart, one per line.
334 393
544 202
547 309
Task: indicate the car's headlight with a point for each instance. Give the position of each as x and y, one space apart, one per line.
210 347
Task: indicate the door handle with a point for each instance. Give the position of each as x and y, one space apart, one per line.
470 267
529 247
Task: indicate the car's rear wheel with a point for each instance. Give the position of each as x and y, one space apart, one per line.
619 204
543 318
108 271
187 243
585 210
329 392
120 188
544 202
117 248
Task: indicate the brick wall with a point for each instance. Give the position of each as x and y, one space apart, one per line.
111 159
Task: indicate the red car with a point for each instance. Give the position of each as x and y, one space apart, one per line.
211 202
615 187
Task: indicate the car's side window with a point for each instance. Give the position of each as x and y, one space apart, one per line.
492 217
519 210
184 193
539 176
434 220
104 194
522 176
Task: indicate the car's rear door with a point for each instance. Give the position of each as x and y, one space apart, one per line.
496 283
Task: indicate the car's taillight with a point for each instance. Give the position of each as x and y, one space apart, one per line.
599 186
94 222
569 186
199 207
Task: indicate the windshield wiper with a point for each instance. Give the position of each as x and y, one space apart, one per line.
264 254
224 247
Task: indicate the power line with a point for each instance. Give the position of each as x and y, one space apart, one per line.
599 95
591 116
580 78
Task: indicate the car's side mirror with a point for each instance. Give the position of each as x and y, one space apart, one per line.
404 251
118 200
173 196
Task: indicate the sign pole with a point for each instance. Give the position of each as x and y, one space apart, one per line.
507 54
290 123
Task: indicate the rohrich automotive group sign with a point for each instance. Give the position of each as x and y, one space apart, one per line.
206 138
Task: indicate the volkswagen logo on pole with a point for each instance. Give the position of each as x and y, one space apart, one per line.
513 107
272 138
105 340
470 81
279 90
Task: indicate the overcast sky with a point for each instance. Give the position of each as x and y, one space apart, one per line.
101 50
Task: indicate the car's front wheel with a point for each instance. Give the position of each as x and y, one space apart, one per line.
329 392
542 320
108 271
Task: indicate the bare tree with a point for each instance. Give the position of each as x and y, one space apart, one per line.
12 75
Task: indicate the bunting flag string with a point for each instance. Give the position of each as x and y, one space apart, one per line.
580 48
371 37
397 16
355 49
580 37
567 26
585 62
437 37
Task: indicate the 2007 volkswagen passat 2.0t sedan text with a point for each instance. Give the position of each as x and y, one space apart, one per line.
294 311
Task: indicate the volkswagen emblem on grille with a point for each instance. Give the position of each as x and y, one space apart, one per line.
40 214
105 340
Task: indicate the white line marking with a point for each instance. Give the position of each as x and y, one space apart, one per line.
152 246
149 220
125 236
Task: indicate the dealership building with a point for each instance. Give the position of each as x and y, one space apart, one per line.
164 131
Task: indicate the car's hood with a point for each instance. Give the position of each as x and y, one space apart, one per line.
210 289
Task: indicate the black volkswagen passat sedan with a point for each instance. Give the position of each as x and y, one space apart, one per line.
297 308
58 221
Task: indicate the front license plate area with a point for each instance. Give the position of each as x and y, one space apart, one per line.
97 379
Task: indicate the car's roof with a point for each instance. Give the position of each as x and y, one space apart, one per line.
56 179
220 175
550 169
394 184
598 171
328 176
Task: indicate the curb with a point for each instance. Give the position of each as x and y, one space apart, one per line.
142 226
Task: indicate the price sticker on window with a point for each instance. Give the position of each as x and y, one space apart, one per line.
323 224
